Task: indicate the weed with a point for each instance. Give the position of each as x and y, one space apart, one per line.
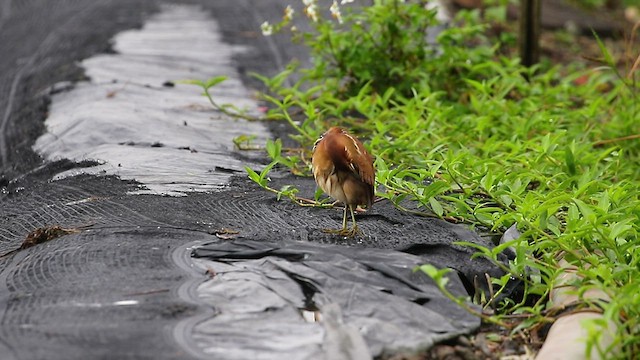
472 136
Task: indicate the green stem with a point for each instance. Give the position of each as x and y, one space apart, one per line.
223 110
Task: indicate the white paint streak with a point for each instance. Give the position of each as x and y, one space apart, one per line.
125 109
126 302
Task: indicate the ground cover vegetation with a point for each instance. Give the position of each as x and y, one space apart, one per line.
459 127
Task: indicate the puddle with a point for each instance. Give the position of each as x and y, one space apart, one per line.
131 120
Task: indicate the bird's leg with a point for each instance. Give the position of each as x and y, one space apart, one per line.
345 231
344 217
353 231
354 228
344 225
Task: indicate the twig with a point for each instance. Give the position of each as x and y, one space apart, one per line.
609 141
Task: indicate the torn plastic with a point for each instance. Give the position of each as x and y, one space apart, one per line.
371 302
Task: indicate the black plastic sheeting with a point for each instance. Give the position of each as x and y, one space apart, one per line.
126 285
370 302
105 291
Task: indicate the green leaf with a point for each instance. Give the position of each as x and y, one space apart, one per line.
274 149
487 181
481 87
573 214
435 188
214 81
191 82
436 207
543 219
289 191
253 175
619 228
603 49
263 174
570 160
585 210
438 275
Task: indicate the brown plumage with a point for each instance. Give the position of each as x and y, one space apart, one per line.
344 170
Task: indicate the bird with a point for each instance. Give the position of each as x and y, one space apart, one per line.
344 170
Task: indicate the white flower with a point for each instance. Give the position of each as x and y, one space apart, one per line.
307 2
346 2
335 11
311 12
267 29
288 13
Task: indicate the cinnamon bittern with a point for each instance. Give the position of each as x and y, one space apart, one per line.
344 170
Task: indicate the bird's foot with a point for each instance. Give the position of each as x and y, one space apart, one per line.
346 232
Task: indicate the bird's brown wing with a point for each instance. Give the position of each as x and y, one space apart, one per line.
349 153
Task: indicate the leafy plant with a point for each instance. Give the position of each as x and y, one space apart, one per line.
227 109
397 47
468 135
274 150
